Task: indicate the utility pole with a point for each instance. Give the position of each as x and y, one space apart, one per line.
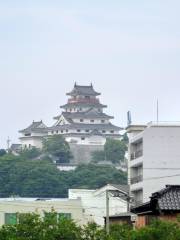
107 211
8 144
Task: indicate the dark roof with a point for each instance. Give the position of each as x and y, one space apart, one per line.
167 199
34 127
83 90
73 105
102 126
124 188
91 113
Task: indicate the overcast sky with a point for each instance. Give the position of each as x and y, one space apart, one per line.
128 49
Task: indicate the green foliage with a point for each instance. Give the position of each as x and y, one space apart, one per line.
30 153
2 152
40 178
57 146
114 151
32 226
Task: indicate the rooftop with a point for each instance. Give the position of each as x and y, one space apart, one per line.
83 90
35 126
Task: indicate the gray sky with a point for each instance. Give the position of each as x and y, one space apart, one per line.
129 50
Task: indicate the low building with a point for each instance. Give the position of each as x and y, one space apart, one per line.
153 161
94 202
164 205
122 218
70 208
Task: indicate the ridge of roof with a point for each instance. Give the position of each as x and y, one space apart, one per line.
35 125
83 90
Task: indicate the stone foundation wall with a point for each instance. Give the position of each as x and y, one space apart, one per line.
82 153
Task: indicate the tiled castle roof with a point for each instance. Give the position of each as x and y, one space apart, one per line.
34 127
83 90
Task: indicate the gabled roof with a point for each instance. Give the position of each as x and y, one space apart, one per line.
34 127
91 113
83 90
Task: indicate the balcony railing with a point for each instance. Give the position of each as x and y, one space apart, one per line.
136 179
136 154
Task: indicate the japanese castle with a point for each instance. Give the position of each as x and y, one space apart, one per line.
82 121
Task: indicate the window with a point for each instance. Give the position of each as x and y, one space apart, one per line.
52 132
86 130
61 131
10 218
102 121
29 145
104 131
92 120
112 131
81 120
27 134
78 130
83 138
64 216
80 109
66 130
57 132
87 97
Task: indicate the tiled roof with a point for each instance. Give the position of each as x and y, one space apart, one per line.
35 126
83 90
92 113
73 105
86 126
168 198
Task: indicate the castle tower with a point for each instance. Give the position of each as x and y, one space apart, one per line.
83 121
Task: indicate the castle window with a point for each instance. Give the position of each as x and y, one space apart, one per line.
61 131
57 132
80 109
27 134
87 97
66 130
78 130
102 121
83 138
87 130
52 132
112 131
92 120
81 120
104 131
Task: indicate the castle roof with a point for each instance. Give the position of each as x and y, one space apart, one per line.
83 90
78 104
91 113
34 127
103 126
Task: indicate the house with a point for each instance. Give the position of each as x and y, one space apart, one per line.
164 205
94 201
153 159
122 218
70 208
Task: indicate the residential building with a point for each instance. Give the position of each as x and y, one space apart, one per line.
163 205
94 202
70 208
122 218
153 161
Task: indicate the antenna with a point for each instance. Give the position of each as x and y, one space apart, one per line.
129 121
157 111
8 143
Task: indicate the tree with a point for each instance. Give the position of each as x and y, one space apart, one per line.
2 152
98 156
30 153
114 150
57 147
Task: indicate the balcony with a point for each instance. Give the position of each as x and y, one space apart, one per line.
136 179
136 154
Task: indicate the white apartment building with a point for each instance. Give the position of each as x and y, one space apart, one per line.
94 202
153 159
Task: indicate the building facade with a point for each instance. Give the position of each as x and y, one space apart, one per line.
94 202
153 161
70 208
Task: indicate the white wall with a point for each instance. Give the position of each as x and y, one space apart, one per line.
94 204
